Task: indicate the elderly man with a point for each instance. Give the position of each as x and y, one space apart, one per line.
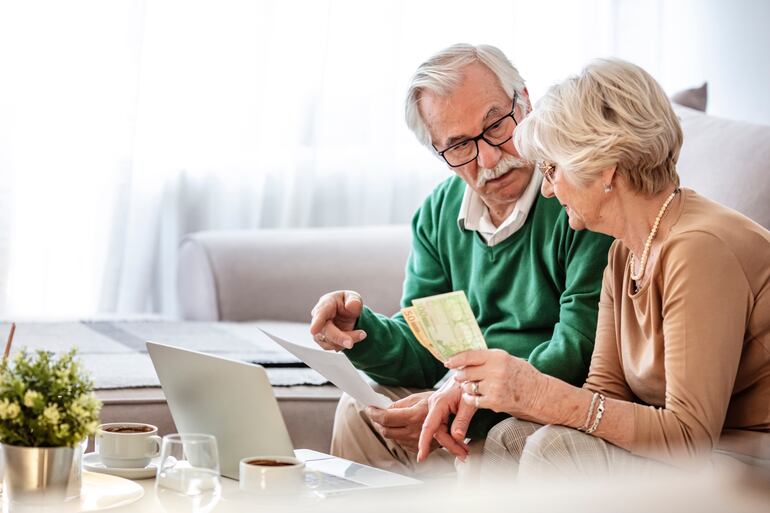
532 282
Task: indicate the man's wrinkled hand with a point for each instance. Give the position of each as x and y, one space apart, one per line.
402 420
334 319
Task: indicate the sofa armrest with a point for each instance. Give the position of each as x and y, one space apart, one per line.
280 274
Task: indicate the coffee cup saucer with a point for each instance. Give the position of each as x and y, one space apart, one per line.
93 463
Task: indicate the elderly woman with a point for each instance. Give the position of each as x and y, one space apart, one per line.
681 364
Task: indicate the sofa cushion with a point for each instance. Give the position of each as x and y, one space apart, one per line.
694 98
727 161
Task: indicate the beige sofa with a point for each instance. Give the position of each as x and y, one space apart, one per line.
279 274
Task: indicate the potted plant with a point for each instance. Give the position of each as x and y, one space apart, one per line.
47 410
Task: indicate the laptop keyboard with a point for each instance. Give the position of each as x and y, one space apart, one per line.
324 482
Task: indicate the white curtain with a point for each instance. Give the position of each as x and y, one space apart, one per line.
126 124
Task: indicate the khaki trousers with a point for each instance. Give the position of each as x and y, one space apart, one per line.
355 438
517 448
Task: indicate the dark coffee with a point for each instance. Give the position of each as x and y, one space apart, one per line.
270 463
127 429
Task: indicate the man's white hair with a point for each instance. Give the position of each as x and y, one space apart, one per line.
444 71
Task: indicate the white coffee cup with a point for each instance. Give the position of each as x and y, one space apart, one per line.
272 475
127 444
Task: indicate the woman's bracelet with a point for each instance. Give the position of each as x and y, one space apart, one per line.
599 413
590 413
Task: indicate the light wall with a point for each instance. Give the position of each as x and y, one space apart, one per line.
726 43
683 43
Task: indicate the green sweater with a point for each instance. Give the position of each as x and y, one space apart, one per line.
535 295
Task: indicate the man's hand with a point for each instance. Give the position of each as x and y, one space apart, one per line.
402 420
444 402
333 320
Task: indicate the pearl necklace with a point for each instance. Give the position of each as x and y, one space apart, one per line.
650 238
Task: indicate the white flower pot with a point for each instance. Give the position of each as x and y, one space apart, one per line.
44 475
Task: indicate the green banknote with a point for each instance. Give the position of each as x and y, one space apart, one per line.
448 323
419 333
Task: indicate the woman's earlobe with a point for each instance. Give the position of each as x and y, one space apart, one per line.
608 175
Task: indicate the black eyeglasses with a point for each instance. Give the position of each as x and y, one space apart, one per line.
496 134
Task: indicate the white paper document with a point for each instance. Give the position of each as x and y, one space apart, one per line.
336 368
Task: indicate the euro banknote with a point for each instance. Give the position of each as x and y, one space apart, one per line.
444 324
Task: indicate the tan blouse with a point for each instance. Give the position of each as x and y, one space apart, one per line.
692 347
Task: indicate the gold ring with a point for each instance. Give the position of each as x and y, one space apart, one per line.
475 388
477 402
321 337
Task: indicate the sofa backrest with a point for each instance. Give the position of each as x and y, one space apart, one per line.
280 274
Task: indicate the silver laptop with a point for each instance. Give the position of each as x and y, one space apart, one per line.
234 401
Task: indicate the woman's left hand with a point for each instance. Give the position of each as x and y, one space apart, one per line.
495 380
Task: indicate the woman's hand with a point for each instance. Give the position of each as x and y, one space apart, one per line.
446 401
495 380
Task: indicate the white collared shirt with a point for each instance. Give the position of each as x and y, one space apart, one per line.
474 214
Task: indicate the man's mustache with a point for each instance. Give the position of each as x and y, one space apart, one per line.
502 167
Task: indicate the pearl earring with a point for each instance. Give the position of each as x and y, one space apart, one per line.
607 188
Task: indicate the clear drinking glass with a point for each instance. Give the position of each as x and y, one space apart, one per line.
188 473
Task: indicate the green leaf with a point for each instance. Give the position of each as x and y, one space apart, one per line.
44 379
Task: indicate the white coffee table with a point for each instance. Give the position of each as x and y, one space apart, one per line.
551 497
698 493
232 499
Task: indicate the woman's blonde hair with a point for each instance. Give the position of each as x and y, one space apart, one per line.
612 113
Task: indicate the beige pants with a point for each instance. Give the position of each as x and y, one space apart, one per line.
534 451
355 438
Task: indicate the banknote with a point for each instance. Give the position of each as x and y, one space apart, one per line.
447 323
419 333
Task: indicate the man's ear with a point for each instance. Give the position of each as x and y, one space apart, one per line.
525 94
